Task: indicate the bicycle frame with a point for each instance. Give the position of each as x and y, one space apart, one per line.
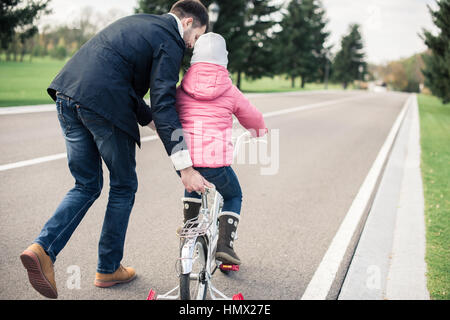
211 235
208 217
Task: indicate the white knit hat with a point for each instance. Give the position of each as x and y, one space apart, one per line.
210 47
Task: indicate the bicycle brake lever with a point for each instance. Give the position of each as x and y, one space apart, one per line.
207 190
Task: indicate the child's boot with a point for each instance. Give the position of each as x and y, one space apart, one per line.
228 222
191 208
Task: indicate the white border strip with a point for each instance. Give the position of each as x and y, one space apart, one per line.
322 280
27 109
51 107
155 137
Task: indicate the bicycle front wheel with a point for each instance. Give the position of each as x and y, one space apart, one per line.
193 285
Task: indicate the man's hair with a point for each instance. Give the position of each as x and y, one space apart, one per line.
191 9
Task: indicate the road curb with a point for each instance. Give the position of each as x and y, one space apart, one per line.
388 262
27 109
329 276
407 272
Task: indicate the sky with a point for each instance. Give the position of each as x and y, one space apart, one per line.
389 28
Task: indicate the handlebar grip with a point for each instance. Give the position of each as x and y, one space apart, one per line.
207 190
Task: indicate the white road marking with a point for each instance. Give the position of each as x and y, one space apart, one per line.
58 156
31 162
52 107
309 106
324 276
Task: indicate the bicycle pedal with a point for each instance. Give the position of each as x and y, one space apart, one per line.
229 267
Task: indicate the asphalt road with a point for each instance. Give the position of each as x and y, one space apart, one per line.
288 219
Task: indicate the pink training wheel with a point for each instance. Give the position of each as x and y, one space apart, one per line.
151 295
238 296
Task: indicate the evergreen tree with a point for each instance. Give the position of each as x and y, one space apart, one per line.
160 6
231 25
154 6
243 24
260 59
19 20
301 42
437 65
349 62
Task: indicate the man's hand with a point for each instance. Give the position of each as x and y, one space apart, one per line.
151 125
193 180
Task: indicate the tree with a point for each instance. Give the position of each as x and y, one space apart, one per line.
231 25
154 6
402 75
85 27
437 65
349 62
243 24
301 41
396 75
259 60
413 66
15 19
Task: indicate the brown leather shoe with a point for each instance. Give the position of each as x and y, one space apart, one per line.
40 270
121 275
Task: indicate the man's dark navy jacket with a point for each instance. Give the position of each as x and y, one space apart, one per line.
112 72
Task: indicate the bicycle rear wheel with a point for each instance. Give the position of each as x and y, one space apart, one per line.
193 285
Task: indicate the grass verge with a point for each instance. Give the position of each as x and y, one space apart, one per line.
281 84
435 144
25 83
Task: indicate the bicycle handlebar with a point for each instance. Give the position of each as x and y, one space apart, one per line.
207 190
236 148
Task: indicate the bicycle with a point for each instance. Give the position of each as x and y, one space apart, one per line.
197 263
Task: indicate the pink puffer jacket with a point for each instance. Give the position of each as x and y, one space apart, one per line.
205 102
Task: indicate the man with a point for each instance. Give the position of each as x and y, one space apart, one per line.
99 98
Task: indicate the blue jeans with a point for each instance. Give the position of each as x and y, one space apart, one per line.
89 139
226 183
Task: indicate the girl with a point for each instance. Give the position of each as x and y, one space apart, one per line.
206 101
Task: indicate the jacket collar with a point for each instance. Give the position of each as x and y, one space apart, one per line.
180 26
172 27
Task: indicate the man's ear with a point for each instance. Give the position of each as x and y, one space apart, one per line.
187 22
